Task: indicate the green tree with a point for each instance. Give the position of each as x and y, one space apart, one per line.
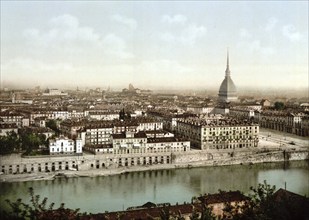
279 106
30 142
52 124
9 143
38 209
207 214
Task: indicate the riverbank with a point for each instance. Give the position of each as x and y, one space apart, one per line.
273 147
241 158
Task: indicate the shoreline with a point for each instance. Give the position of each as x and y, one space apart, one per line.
273 147
248 160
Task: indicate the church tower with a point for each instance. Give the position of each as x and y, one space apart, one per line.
227 91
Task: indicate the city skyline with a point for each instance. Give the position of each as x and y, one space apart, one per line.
156 45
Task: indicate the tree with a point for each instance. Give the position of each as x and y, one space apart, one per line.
31 142
279 105
38 209
263 205
9 143
207 213
52 124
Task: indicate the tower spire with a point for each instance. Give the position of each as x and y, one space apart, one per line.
227 71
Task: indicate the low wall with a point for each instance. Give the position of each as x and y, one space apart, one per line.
14 164
230 158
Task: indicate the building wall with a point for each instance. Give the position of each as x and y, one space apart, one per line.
61 146
219 137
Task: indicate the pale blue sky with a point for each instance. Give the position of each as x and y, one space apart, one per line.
154 44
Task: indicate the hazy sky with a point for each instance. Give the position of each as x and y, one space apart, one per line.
154 44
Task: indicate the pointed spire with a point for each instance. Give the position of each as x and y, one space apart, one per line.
227 71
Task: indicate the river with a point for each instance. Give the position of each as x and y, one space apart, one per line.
98 194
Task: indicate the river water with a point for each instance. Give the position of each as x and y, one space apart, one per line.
98 194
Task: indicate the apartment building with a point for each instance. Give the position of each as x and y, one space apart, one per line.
222 133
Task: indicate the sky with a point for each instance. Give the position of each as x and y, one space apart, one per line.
154 44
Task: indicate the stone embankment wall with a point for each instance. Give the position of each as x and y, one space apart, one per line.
238 157
15 164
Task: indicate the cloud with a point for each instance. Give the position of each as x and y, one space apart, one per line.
66 35
244 33
36 66
290 32
176 19
271 23
65 21
186 36
130 22
116 46
64 29
255 46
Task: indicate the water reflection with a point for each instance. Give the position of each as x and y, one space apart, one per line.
98 194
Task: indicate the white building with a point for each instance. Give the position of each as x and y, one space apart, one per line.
129 142
105 116
54 92
64 145
167 144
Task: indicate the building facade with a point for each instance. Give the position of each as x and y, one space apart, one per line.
64 146
219 133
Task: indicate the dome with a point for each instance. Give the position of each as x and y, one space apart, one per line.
227 86
227 91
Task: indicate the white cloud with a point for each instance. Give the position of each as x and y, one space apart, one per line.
116 46
291 33
65 21
130 22
176 19
66 35
271 23
192 33
35 66
186 36
244 33
64 29
257 47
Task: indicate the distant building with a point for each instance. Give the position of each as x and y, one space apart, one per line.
11 117
6 128
223 133
227 91
64 145
103 115
286 121
218 202
40 122
54 92
129 142
167 144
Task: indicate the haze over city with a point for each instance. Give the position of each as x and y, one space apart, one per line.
155 45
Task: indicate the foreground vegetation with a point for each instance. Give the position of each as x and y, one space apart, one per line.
262 204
